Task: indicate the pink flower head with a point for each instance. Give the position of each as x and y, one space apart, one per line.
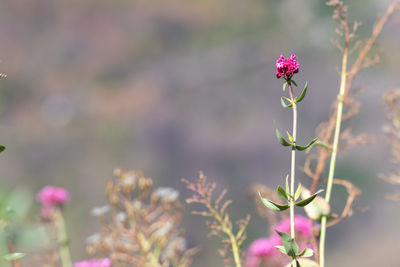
287 67
263 251
302 225
259 249
52 196
106 262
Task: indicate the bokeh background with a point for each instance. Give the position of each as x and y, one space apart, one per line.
175 87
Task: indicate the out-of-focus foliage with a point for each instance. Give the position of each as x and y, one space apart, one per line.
18 233
141 225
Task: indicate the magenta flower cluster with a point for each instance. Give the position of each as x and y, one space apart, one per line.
106 262
287 67
52 196
263 250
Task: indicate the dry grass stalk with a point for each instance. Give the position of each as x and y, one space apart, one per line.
392 129
315 163
220 224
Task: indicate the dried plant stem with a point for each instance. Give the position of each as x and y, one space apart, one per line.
221 224
146 246
345 84
228 231
293 165
358 64
334 152
62 238
11 248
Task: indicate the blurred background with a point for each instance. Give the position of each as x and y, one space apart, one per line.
175 87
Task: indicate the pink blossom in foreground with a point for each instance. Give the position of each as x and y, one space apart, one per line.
262 252
52 196
287 67
259 249
302 225
106 262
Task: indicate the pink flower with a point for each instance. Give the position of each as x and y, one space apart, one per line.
262 252
259 250
287 67
106 262
302 226
261 247
52 196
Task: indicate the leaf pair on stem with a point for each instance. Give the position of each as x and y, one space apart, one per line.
285 195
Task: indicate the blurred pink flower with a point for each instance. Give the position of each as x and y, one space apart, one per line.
261 248
263 251
52 196
106 262
287 67
302 226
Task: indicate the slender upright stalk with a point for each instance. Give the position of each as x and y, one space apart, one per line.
62 237
334 153
11 249
228 231
293 165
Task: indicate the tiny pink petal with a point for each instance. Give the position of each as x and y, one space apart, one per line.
106 262
52 196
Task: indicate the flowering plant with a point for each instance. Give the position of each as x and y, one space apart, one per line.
286 68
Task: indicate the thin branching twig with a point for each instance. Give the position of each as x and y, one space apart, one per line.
220 224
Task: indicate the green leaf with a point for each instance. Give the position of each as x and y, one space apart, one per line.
281 140
284 86
2 148
284 104
281 249
289 244
298 192
9 210
320 143
307 252
290 137
13 256
272 205
301 148
304 202
304 262
303 94
282 193
292 81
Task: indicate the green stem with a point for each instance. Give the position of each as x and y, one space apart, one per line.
293 165
62 238
334 154
228 231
